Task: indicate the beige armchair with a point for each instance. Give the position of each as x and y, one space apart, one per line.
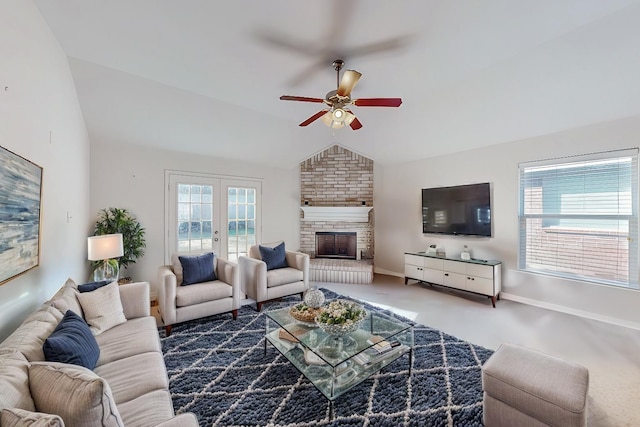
179 303
264 285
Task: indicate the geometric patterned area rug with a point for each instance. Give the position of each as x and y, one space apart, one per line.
218 370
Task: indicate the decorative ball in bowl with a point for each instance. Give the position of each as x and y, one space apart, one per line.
340 317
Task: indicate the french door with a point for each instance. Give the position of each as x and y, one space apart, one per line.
206 213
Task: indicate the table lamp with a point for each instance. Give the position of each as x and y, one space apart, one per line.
103 248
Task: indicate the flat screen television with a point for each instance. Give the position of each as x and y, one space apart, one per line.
459 210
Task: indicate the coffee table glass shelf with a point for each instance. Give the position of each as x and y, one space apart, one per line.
333 364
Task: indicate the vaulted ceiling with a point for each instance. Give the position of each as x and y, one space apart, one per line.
205 76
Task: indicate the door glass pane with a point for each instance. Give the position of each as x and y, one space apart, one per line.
195 207
195 194
207 214
183 193
207 194
241 233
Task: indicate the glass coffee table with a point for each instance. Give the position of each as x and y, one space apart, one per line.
334 365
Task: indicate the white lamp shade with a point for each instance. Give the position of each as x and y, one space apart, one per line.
328 120
106 246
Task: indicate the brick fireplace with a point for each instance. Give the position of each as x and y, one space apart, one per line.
337 197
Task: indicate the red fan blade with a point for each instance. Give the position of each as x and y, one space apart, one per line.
300 98
355 124
378 102
313 118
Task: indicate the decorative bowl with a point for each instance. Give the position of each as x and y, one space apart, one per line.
340 317
304 313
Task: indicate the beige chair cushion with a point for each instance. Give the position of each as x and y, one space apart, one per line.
14 382
15 417
102 308
75 393
202 292
283 276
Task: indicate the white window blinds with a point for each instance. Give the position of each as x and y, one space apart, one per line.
578 217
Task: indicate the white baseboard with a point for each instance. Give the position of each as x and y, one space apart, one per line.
386 272
569 310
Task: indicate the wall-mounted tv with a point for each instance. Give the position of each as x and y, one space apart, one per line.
458 210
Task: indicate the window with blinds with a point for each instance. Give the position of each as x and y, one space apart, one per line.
578 217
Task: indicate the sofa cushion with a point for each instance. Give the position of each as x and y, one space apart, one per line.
15 417
283 276
66 298
133 337
202 292
197 268
30 335
102 308
134 376
72 342
14 382
92 286
148 409
274 257
75 393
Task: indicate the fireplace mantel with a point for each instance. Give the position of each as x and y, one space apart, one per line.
336 213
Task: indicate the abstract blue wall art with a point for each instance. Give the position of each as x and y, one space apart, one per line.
20 203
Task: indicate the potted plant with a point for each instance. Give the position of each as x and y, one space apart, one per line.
116 220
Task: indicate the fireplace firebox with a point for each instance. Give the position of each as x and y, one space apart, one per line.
330 244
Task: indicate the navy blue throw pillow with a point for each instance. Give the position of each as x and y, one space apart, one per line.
92 286
274 257
197 269
72 342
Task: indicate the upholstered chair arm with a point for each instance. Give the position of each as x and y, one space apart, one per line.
227 272
299 261
135 299
253 277
167 294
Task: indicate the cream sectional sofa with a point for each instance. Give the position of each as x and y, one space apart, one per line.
128 386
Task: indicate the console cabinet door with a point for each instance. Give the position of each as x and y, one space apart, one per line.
432 276
413 271
455 280
480 285
413 266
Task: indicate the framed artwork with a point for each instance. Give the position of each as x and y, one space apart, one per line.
20 205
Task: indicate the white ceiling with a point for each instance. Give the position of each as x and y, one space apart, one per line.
204 76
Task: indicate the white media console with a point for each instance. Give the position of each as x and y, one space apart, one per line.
478 276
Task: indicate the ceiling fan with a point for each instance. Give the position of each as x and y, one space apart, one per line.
338 114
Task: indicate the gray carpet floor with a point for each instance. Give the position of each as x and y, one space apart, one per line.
610 352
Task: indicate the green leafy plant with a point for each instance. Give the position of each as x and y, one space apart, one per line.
116 220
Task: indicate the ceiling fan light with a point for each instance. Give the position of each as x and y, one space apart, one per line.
338 115
327 119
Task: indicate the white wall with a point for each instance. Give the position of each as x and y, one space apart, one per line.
132 177
399 229
41 121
